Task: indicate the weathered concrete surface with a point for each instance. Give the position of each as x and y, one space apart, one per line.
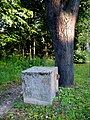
39 85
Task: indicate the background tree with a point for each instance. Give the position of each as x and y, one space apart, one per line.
83 24
82 31
42 36
22 23
13 24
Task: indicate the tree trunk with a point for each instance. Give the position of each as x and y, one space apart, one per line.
30 55
61 18
46 51
34 45
23 52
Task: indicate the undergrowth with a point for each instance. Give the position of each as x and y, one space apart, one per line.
71 103
10 68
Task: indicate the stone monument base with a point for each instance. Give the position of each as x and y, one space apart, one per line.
39 85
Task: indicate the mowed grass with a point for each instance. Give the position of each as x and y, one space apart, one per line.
71 103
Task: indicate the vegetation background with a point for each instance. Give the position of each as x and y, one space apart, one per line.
25 41
24 30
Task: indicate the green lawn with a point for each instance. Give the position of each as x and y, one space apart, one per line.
71 104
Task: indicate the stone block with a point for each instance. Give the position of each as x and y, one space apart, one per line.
39 85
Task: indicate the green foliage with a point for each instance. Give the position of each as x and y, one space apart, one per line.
82 35
14 21
83 22
23 22
79 56
42 62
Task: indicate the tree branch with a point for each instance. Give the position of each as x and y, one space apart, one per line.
72 6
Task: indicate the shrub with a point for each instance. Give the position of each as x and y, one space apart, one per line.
79 56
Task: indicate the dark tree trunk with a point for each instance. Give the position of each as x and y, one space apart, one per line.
61 18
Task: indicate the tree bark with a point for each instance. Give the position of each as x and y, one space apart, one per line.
61 18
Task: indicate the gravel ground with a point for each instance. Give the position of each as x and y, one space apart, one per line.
8 97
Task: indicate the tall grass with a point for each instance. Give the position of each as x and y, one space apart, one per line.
10 68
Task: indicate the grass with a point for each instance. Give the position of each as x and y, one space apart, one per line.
71 104
10 68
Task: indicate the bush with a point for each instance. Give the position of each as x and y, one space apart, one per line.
79 56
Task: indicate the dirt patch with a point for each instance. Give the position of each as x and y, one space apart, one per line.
8 97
